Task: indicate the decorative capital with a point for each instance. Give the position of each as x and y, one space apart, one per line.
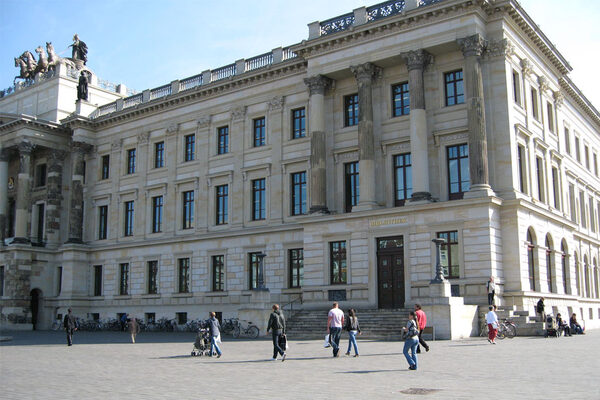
25 147
238 113
172 129
317 84
473 45
365 72
57 155
417 59
143 137
558 98
543 82
501 47
526 66
81 147
116 145
276 103
204 121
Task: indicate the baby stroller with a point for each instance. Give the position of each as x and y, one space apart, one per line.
551 327
202 343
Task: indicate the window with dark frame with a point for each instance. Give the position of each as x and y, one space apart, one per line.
402 179
157 214
298 123
531 260
97 280
258 199
190 148
351 110
181 318
567 141
522 168
124 279
105 172
259 132
153 277
451 265
41 175
222 204
296 267
253 267
351 185
454 87
555 188
534 104
337 262
218 273
298 192
188 210
400 99
1 280
183 275
564 259
102 222
550 112
159 154
516 81
577 150
60 275
586 154
595 164
223 140
592 214
549 280
131 161
128 228
458 171
539 165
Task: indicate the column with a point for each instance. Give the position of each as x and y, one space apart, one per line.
364 74
472 48
416 61
3 193
317 85
54 195
76 209
23 192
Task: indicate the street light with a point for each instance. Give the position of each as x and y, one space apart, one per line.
439 272
261 271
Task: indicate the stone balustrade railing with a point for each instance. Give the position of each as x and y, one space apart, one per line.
260 61
160 91
223 72
132 101
190 83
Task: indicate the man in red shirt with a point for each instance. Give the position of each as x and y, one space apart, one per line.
422 323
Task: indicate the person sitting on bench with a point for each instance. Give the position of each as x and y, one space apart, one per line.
562 325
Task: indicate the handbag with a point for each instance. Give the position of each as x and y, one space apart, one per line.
283 343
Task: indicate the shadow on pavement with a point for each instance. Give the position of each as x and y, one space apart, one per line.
373 371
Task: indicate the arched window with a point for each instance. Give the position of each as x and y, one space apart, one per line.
549 266
531 258
586 276
564 262
577 275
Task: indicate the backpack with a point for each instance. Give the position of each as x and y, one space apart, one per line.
412 330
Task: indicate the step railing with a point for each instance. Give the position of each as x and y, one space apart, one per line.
289 307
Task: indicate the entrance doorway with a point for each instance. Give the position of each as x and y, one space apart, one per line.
36 296
390 272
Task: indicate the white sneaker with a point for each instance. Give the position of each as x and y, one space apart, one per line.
274 359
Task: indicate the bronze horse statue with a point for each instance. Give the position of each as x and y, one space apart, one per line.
42 65
25 73
54 59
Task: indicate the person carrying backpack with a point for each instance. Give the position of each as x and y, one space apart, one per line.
412 341
276 325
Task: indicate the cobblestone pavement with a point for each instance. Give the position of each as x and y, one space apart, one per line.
104 365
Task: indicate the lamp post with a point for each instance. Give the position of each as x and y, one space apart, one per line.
439 272
261 271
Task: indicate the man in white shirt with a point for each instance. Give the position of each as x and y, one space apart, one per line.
492 321
335 322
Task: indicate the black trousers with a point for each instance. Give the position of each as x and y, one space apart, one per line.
422 342
491 298
69 336
276 349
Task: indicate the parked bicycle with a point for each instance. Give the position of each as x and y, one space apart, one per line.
506 328
228 326
249 330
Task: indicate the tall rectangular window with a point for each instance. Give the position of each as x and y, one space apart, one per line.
516 82
298 123
188 210
258 199
97 280
124 279
40 223
567 141
592 214
190 147
222 204
402 179
1 280
535 111
458 171
582 209
253 267
60 274
296 267
157 214
105 171
351 110
183 275
337 262
298 193
449 261
159 155
351 185
586 153
131 161
259 132
455 93
223 140
400 99
577 150
556 188
550 112
595 164
522 168
218 273
40 174
102 222
572 203
539 166
128 228
152 277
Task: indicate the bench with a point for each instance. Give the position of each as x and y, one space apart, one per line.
429 330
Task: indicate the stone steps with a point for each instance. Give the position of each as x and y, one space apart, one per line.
527 325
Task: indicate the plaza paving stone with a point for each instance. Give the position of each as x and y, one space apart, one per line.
104 365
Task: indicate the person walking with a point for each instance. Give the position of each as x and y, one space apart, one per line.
540 309
214 329
421 324
491 290
123 321
353 329
335 322
412 341
276 325
70 324
133 328
492 322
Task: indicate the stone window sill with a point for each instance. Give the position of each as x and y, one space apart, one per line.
217 294
123 297
151 296
178 295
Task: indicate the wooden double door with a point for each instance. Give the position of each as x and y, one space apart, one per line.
390 272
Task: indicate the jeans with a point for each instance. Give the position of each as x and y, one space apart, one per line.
411 344
576 328
69 336
352 342
334 339
276 349
213 343
491 298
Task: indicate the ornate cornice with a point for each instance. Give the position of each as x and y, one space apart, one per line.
318 84
417 59
473 45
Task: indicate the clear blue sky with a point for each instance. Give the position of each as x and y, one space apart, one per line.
147 43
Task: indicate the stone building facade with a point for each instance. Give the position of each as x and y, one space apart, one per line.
339 158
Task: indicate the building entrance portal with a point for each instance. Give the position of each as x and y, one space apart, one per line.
390 272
